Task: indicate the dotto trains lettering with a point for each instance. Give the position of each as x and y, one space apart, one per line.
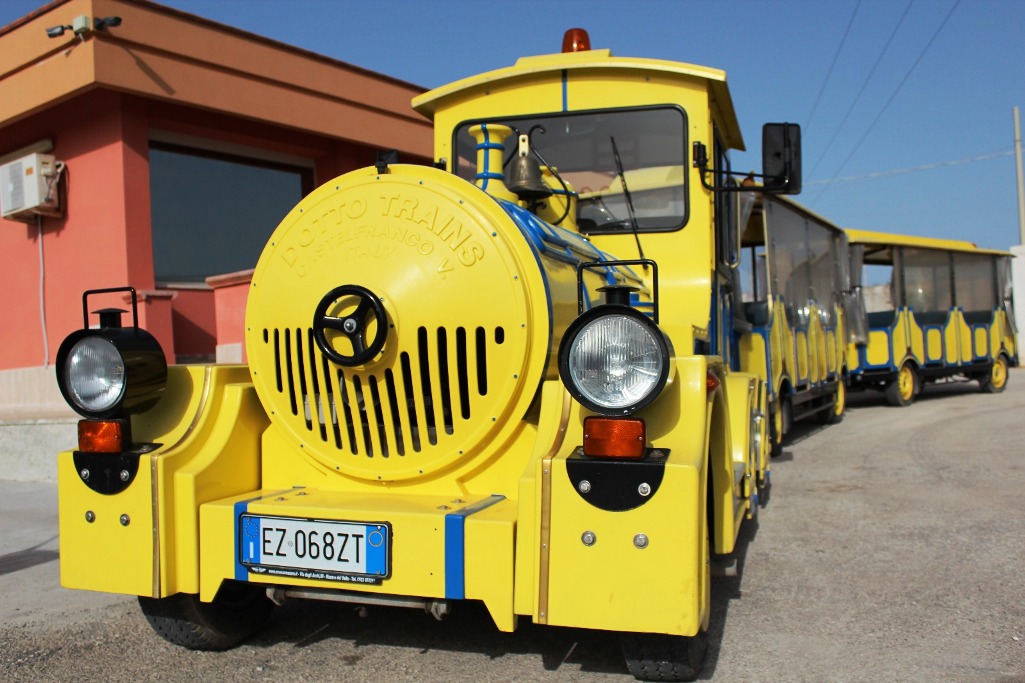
573 342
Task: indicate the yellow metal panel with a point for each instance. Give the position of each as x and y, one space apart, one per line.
490 561
609 585
878 351
223 461
952 337
534 501
916 339
217 546
933 344
752 354
801 352
106 554
964 334
981 342
599 589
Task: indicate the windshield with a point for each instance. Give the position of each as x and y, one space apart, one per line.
651 146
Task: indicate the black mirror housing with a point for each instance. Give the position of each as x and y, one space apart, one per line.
781 158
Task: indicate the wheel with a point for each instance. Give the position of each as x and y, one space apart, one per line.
660 657
237 612
835 414
996 381
901 392
779 425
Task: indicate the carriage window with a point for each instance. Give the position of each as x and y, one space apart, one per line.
975 282
877 287
823 266
651 145
927 280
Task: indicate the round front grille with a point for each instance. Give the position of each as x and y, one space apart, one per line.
463 352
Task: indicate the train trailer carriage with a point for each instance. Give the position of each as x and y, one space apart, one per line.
477 381
929 310
794 286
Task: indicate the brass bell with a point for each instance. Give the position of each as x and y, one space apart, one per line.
524 176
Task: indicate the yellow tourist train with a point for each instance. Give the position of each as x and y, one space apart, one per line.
791 320
928 310
530 376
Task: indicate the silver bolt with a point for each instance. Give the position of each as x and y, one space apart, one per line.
588 538
84 474
644 489
90 516
444 507
641 541
125 520
124 475
350 325
584 486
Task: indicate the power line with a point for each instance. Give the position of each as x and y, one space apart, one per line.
829 73
913 169
894 95
864 84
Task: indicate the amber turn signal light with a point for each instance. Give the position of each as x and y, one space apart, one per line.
102 436
614 437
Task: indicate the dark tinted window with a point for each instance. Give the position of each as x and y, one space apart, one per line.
212 214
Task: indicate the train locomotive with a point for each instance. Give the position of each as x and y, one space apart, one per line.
513 377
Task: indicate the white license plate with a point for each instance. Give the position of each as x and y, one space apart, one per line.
314 549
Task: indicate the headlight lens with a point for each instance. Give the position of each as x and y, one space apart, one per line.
95 374
615 363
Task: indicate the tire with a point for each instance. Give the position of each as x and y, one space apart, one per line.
996 381
783 415
835 412
237 612
660 657
901 391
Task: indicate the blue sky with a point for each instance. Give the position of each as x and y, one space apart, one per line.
906 106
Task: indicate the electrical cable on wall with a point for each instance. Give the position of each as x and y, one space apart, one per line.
42 295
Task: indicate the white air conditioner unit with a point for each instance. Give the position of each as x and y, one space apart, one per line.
29 186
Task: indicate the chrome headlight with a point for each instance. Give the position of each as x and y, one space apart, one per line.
111 372
94 374
614 360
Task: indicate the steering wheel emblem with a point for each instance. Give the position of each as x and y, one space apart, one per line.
360 310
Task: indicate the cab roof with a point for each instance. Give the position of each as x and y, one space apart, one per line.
526 67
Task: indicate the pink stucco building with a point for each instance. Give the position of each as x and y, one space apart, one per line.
182 144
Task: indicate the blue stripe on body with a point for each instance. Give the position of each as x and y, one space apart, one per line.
455 546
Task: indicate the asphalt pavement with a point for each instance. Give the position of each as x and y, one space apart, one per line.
892 549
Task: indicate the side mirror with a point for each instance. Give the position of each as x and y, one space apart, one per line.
781 158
